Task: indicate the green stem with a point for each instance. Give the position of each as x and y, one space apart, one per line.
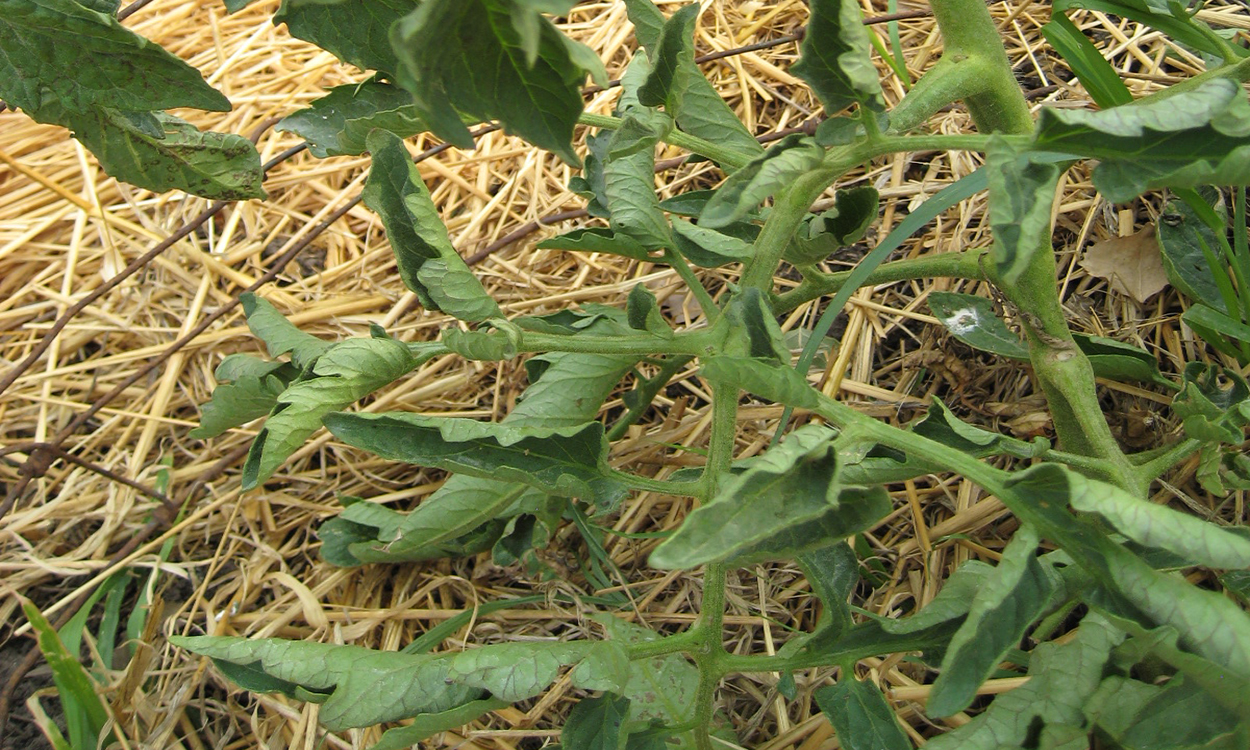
647 392
783 221
708 631
1157 466
683 269
682 343
968 32
649 484
952 78
672 644
725 156
959 265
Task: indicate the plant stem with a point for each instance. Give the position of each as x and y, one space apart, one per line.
815 284
646 394
687 343
968 31
788 211
725 156
1157 466
708 631
683 269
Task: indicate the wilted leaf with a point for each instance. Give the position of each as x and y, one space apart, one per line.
777 383
1132 264
629 166
279 334
568 392
708 248
775 169
423 251
597 240
1209 624
242 396
744 517
565 461
820 236
689 98
837 57
346 372
1061 679
1011 598
1021 194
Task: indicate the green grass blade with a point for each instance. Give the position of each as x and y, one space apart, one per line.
85 715
1091 68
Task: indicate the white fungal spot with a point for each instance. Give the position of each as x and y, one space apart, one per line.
962 321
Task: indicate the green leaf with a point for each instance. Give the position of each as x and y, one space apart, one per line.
854 210
498 342
1159 526
629 168
1004 608
85 714
1209 624
661 689
428 263
467 55
279 334
596 723
1021 194
564 461
354 31
1183 715
777 383
1061 679
65 56
644 312
972 320
240 398
755 330
359 687
1117 360
1214 404
952 602
662 87
598 240
708 248
516 671
743 520
346 372
160 152
688 97
836 58
568 392
941 425
775 169
1091 68
337 123
832 571
1194 138
425 726
1205 317
1182 234
860 716
692 203
1160 15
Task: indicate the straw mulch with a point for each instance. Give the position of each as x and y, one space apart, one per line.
248 563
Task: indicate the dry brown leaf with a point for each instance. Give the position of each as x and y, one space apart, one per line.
1133 264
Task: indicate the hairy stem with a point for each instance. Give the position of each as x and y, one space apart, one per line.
708 632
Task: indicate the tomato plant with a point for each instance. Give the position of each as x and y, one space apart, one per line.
443 66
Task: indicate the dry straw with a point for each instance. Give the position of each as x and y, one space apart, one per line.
248 564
